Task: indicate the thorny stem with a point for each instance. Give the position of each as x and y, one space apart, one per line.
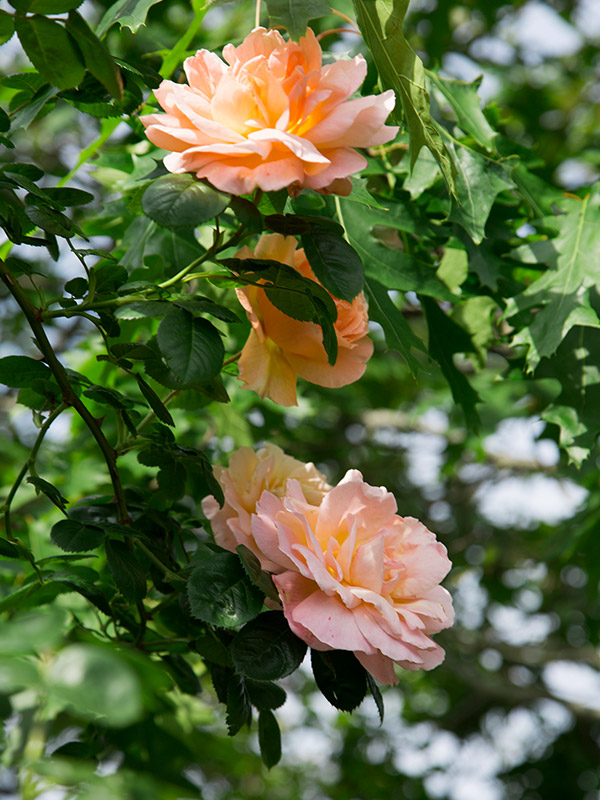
33 316
27 467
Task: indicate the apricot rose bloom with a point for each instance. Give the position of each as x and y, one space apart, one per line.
280 348
354 575
272 117
249 474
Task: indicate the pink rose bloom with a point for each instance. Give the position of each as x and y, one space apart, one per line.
280 348
272 117
353 575
248 475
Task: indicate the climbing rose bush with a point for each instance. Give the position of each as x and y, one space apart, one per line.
280 348
249 474
272 117
354 575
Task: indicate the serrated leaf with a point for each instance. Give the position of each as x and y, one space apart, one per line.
294 15
192 347
154 401
479 180
7 28
171 480
400 69
97 58
376 692
239 710
76 537
265 695
51 50
175 201
399 335
445 339
391 268
563 293
126 570
29 112
221 594
576 411
269 738
254 571
128 13
335 262
266 648
466 104
20 371
10 550
51 492
340 678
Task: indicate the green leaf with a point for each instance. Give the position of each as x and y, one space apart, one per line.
20 371
269 738
563 294
183 674
45 6
33 632
294 15
376 693
445 339
400 69
51 51
191 347
340 677
239 710
221 594
128 13
154 401
254 571
33 595
76 537
298 297
204 305
265 695
51 492
51 221
171 480
126 570
399 335
266 649
95 683
391 268
174 201
576 411
7 28
479 180
10 550
76 287
97 58
466 104
361 194
247 213
453 268
29 112
335 263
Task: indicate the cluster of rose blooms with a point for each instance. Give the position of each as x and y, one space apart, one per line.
351 573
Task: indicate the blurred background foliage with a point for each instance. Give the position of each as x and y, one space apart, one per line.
514 712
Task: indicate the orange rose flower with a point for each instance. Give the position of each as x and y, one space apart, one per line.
280 348
274 118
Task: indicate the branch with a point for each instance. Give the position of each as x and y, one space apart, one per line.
69 397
